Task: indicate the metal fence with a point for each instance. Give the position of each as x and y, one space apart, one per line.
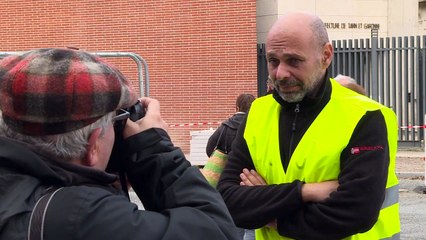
393 72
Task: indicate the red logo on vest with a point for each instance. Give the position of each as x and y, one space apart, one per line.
357 150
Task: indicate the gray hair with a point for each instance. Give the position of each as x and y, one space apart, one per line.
341 77
319 31
67 146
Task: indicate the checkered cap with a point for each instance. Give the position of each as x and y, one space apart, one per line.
53 91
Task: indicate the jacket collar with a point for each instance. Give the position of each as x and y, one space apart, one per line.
20 157
234 121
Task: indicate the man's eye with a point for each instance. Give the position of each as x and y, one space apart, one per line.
294 61
273 61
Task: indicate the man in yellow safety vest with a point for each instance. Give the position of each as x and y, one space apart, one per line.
312 160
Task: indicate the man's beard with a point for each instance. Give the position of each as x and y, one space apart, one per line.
293 96
306 88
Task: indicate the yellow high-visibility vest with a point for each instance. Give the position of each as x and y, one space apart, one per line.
317 156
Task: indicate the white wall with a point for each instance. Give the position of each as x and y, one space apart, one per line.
347 19
422 17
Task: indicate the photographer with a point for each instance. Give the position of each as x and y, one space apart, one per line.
57 134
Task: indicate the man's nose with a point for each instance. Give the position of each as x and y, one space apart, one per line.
282 72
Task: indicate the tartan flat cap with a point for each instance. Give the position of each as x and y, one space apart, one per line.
53 91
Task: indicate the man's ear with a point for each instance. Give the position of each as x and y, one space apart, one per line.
327 55
92 154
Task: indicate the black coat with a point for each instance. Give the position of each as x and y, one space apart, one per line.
229 128
179 202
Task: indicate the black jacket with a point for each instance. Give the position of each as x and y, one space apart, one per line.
229 128
179 202
349 210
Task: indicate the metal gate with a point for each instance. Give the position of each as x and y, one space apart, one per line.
392 70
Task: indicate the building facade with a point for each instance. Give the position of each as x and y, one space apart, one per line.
349 19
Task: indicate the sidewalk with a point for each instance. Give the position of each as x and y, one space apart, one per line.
410 168
410 164
410 153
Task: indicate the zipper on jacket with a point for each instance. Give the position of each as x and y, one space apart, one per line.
293 129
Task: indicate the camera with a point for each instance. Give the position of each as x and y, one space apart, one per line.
134 113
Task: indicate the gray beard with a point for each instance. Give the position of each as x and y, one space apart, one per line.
292 97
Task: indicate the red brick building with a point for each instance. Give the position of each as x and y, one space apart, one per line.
201 53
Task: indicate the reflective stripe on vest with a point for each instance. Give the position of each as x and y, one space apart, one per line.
391 196
397 236
317 155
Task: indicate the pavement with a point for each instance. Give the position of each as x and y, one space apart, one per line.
411 171
410 163
412 208
415 153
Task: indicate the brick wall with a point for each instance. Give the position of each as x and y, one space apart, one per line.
201 53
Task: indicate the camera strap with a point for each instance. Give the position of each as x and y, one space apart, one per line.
223 136
36 225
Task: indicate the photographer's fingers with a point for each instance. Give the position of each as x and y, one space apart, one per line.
152 118
153 113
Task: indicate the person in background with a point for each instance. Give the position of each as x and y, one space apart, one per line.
350 83
269 85
326 153
230 126
222 139
56 137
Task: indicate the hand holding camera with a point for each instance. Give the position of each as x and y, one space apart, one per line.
145 114
152 118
